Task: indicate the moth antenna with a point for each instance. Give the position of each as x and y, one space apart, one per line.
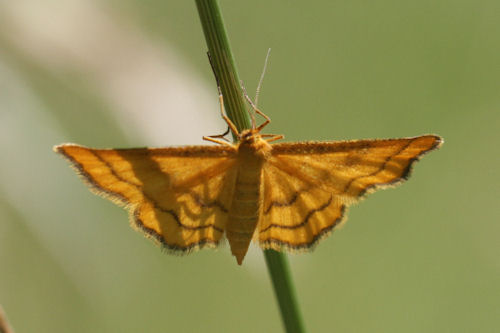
252 114
257 92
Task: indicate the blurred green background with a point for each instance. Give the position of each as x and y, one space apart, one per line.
420 258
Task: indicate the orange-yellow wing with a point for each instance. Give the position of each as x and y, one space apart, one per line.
308 186
180 197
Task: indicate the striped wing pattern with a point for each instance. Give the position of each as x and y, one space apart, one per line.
180 197
319 180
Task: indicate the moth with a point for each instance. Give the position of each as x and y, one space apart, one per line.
285 196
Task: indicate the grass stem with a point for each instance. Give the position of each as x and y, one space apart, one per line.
225 70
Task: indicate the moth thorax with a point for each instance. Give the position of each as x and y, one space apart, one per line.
253 146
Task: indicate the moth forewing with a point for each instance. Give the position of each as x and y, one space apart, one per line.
286 196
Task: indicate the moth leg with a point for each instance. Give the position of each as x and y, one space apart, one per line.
256 110
221 101
251 103
226 119
268 120
221 142
272 137
221 136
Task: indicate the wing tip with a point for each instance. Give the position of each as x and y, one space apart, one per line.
437 142
87 179
61 147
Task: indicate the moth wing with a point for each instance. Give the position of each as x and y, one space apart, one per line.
309 185
180 197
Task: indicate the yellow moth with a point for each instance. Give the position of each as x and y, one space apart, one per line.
285 196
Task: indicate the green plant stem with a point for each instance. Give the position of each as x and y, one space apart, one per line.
223 62
225 69
277 265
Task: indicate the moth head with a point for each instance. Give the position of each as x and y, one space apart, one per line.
249 136
252 141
